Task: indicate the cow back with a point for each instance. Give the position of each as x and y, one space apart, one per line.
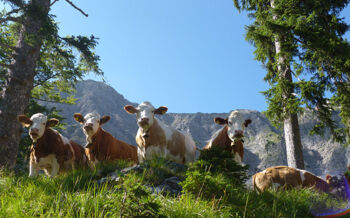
166 142
314 181
105 147
221 139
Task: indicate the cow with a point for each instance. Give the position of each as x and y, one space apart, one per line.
50 151
154 138
101 145
284 177
230 136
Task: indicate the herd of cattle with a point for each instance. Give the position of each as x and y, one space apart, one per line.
54 153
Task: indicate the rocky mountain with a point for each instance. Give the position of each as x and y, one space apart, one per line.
264 145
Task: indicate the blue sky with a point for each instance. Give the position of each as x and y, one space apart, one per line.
188 55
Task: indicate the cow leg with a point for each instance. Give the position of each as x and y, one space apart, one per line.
282 187
33 169
238 158
91 165
140 155
285 187
91 159
55 167
73 165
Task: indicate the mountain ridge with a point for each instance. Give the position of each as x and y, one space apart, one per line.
264 144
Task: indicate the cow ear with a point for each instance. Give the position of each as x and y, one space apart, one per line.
161 110
328 177
24 120
220 121
130 109
52 122
104 119
79 118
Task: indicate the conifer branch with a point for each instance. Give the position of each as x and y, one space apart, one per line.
53 2
18 3
5 65
13 19
41 82
7 46
49 101
14 11
76 7
295 76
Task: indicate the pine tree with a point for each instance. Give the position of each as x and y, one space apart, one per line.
36 63
301 45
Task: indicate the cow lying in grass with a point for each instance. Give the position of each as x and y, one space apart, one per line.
101 145
50 151
230 137
154 138
287 177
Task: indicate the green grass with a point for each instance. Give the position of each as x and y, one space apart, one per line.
79 195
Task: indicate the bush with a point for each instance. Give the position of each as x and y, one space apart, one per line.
215 175
156 170
137 201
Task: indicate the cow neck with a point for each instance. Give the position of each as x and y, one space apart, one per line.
237 139
43 143
152 133
97 136
222 140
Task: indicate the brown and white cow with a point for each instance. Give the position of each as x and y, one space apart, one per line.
51 151
101 145
230 137
154 138
288 177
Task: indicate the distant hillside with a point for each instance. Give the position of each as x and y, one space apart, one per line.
264 145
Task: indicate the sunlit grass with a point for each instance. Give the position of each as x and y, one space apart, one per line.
79 194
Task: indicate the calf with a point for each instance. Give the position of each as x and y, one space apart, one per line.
50 151
154 138
288 177
230 137
101 145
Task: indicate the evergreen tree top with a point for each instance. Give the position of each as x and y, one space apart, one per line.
311 34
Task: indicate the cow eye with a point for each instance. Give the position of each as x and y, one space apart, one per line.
230 123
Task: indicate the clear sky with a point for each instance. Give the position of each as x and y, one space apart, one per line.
188 55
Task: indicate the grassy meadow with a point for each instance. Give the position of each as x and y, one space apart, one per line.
208 191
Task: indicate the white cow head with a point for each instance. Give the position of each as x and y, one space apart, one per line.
235 123
91 122
145 114
37 124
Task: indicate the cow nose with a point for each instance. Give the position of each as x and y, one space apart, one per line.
88 126
143 121
34 130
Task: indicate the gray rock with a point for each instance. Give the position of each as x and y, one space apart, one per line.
137 168
109 178
169 186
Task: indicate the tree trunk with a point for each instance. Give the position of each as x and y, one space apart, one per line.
14 98
291 125
293 142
